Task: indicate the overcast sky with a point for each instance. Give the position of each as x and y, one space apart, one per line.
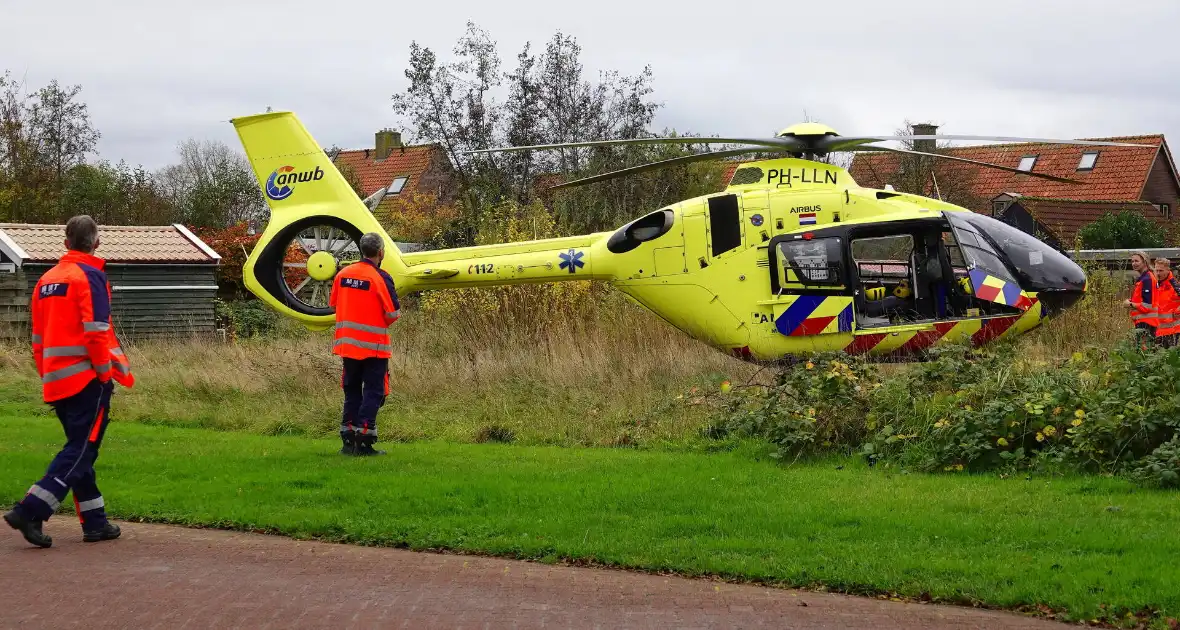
155 72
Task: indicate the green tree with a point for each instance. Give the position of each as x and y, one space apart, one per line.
116 194
1125 230
450 103
43 135
62 128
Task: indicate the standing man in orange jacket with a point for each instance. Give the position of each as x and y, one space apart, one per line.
1167 299
77 356
366 305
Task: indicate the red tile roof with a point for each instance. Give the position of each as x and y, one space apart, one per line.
374 174
117 243
1066 217
1119 173
730 168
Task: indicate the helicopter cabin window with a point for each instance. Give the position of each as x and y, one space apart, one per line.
725 224
811 262
883 261
954 253
884 266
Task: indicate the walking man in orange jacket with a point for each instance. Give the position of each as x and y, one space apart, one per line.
366 305
77 356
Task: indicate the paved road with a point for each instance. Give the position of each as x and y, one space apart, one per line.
169 577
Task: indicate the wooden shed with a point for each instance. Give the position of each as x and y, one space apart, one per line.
163 278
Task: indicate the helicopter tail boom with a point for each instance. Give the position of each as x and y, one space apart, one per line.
549 260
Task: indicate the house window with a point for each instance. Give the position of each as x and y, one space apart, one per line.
397 185
1087 161
997 208
1166 209
1026 163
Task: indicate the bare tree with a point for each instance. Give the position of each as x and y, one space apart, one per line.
949 181
212 185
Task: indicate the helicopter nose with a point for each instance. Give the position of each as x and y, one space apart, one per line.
1056 302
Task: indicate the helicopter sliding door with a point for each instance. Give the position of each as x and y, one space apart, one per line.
903 273
808 283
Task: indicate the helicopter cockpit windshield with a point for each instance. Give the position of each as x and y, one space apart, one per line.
1008 254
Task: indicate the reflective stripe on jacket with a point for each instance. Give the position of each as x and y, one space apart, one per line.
1167 300
1142 301
73 340
366 304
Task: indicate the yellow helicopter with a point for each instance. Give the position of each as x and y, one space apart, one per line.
793 257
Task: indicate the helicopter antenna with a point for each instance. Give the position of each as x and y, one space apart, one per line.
935 178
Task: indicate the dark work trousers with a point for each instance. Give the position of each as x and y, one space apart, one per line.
1146 333
84 417
366 385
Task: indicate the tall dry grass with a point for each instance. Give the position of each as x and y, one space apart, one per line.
598 371
1099 319
567 364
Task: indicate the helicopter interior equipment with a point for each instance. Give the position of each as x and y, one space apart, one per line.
793 257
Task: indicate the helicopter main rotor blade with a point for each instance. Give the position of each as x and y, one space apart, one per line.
830 144
677 161
780 143
1097 143
975 162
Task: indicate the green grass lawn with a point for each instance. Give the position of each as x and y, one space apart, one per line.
1073 544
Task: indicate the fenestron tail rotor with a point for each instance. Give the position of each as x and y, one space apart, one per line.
805 140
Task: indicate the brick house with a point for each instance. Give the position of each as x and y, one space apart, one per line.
1138 179
398 171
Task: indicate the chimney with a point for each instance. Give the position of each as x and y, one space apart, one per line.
925 129
387 141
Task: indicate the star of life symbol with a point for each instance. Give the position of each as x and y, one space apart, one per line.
572 260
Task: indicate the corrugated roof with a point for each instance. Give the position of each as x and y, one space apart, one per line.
117 244
1119 172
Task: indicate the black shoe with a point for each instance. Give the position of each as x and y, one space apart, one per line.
368 450
110 531
30 529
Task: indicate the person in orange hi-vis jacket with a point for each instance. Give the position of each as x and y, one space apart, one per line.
1144 315
366 305
1167 299
77 356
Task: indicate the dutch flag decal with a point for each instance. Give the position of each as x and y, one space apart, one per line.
807 218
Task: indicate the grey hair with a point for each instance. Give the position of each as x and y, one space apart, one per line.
81 233
371 245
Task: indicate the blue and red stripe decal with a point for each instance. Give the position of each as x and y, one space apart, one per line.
797 320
